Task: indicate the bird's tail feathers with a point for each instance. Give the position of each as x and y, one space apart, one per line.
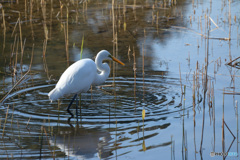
55 94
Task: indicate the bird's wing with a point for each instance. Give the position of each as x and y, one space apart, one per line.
78 77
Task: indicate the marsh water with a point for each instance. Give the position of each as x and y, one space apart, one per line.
181 69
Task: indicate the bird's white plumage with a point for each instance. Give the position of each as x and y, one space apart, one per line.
78 77
81 75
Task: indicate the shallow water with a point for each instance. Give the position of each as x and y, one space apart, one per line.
165 51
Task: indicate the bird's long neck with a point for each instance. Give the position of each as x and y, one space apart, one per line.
104 71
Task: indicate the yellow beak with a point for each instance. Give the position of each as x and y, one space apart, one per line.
118 61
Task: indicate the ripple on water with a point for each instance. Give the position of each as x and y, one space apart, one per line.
124 102
108 107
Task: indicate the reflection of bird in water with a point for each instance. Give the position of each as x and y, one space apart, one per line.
82 143
79 77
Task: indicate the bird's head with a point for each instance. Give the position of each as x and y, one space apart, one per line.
105 55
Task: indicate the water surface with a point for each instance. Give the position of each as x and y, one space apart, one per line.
175 56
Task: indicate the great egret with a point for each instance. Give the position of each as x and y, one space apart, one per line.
78 77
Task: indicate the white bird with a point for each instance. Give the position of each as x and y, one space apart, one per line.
79 77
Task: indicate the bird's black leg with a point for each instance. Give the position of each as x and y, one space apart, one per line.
77 108
68 109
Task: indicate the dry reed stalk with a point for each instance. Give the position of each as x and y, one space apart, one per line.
171 146
20 31
206 23
12 63
77 14
61 7
28 123
58 103
115 143
19 135
129 50
48 142
116 54
197 77
195 89
153 17
202 35
15 85
1 122
4 28
25 11
237 37
44 58
205 82
80 104
114 38
180 78
45 41
143 70
30 65
223 133
229 129
201 24
31 14
84 6
198 22
143 143
213 22
229 49
51 21
231 61
224 157
21 60
91 95
236 105
183 124
16 56
194 96
12 53
143 110
15 27
157 21
134 10
211 100
124 15
231 92
5 122
190 20
41 142
66 48
66 38
134 72
214 124
203 121
43 6
229 18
